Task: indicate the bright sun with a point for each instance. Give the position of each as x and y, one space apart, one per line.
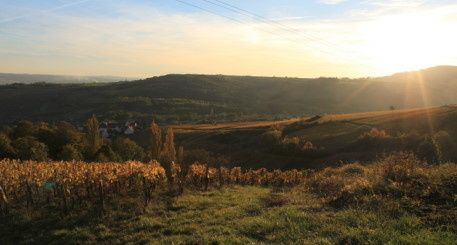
409 42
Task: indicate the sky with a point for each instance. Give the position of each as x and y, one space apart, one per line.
294 38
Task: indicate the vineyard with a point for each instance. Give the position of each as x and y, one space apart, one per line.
71 184
396 200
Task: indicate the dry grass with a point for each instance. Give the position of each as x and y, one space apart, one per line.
235 125
377 114
341 117
377 117
398 182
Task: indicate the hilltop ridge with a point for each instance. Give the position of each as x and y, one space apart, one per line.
189 98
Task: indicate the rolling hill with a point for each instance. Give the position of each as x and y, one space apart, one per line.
339 137
189 98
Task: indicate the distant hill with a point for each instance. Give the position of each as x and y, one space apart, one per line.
10 78
438 74
191 98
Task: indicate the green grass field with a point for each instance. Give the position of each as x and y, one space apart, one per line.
233 215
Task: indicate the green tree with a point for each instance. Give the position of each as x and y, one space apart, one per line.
155 141
127 149
69 152
106 154
271 137
68 134
429 150
168 154
28 148
7 130
168 149
446 144
22 129
6 150
93 138
49 135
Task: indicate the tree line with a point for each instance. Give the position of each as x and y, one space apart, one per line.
63 141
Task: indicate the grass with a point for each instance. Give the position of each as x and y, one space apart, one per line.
220 218
397 200
367 118
334 133
232 215
233 125
383 119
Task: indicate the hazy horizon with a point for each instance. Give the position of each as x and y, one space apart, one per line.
333 38
205 74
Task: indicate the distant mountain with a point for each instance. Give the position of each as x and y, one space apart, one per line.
10 78
437 74
190 98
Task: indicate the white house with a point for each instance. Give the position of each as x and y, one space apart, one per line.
104 132
129 130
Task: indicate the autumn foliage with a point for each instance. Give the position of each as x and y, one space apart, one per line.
72 183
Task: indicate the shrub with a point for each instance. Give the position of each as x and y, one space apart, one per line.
328 183
352 169
400 167
429 150
400 180
271 137
375 140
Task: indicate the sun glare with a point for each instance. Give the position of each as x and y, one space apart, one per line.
408 42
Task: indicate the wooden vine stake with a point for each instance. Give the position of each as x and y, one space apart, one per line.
221 178
206 178
101 194
4 200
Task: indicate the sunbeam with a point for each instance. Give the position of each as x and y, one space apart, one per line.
425 100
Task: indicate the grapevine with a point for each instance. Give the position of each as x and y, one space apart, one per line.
69 184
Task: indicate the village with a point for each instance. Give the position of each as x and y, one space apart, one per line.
111 129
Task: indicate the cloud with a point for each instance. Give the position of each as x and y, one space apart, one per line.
288 18
331 1
70 4
397 3
20 52
143 41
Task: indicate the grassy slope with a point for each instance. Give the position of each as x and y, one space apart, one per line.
240 140
336 129
233 215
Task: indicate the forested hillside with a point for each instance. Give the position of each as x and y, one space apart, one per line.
192 98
